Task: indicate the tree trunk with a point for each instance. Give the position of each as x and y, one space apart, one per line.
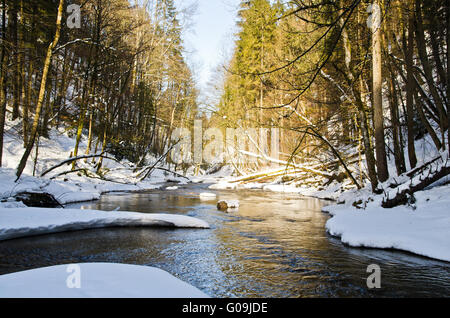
3 64
410 87
426 123
16 59
448 70
380 146
428 71
396 129
40 101
91 119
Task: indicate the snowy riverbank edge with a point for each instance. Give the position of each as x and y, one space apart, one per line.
96 280
22 222
423 229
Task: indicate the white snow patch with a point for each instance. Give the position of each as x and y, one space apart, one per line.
423 231
20 222
232 204
97 280
206 196
223 185
281 188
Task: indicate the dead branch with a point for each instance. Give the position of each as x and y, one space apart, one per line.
70 160
175 173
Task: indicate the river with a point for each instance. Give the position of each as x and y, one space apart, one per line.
275 245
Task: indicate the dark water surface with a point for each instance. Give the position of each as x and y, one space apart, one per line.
274 246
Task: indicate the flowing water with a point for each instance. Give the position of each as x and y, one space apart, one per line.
274 246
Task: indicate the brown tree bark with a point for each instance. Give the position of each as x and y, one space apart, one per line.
396 129
428 71
377 82
40 101
13 17
409 53
3 65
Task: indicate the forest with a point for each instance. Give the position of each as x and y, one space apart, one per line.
351 84
344 80
312 162
119 76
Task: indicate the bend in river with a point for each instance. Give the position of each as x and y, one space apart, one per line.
275 245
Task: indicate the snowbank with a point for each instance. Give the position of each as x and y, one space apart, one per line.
424 230
72 187
20 222
97 280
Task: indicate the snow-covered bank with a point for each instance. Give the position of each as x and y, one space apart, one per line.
97 280
332 192
75 189
20 222
72 187
424 230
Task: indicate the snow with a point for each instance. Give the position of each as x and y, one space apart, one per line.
97 280
281 188
232 204
71 187
20 222
207 196
228 205
424 230
223 185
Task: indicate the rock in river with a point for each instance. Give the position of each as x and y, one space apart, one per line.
226 205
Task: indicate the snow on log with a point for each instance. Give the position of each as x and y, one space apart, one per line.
417 184
38 200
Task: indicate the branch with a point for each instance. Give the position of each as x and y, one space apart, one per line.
67 161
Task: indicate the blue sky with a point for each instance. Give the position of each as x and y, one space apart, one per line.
214 24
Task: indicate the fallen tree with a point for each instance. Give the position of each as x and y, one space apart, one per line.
38 200
405 196
70 160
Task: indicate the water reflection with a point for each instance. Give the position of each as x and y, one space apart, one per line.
274 246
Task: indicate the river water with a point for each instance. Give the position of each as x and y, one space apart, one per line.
274 246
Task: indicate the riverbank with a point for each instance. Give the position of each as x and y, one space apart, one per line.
422 228
70 187
23 221
96 280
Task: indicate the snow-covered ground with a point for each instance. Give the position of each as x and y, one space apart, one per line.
20 222
16 220
424 230
96 280
71 187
